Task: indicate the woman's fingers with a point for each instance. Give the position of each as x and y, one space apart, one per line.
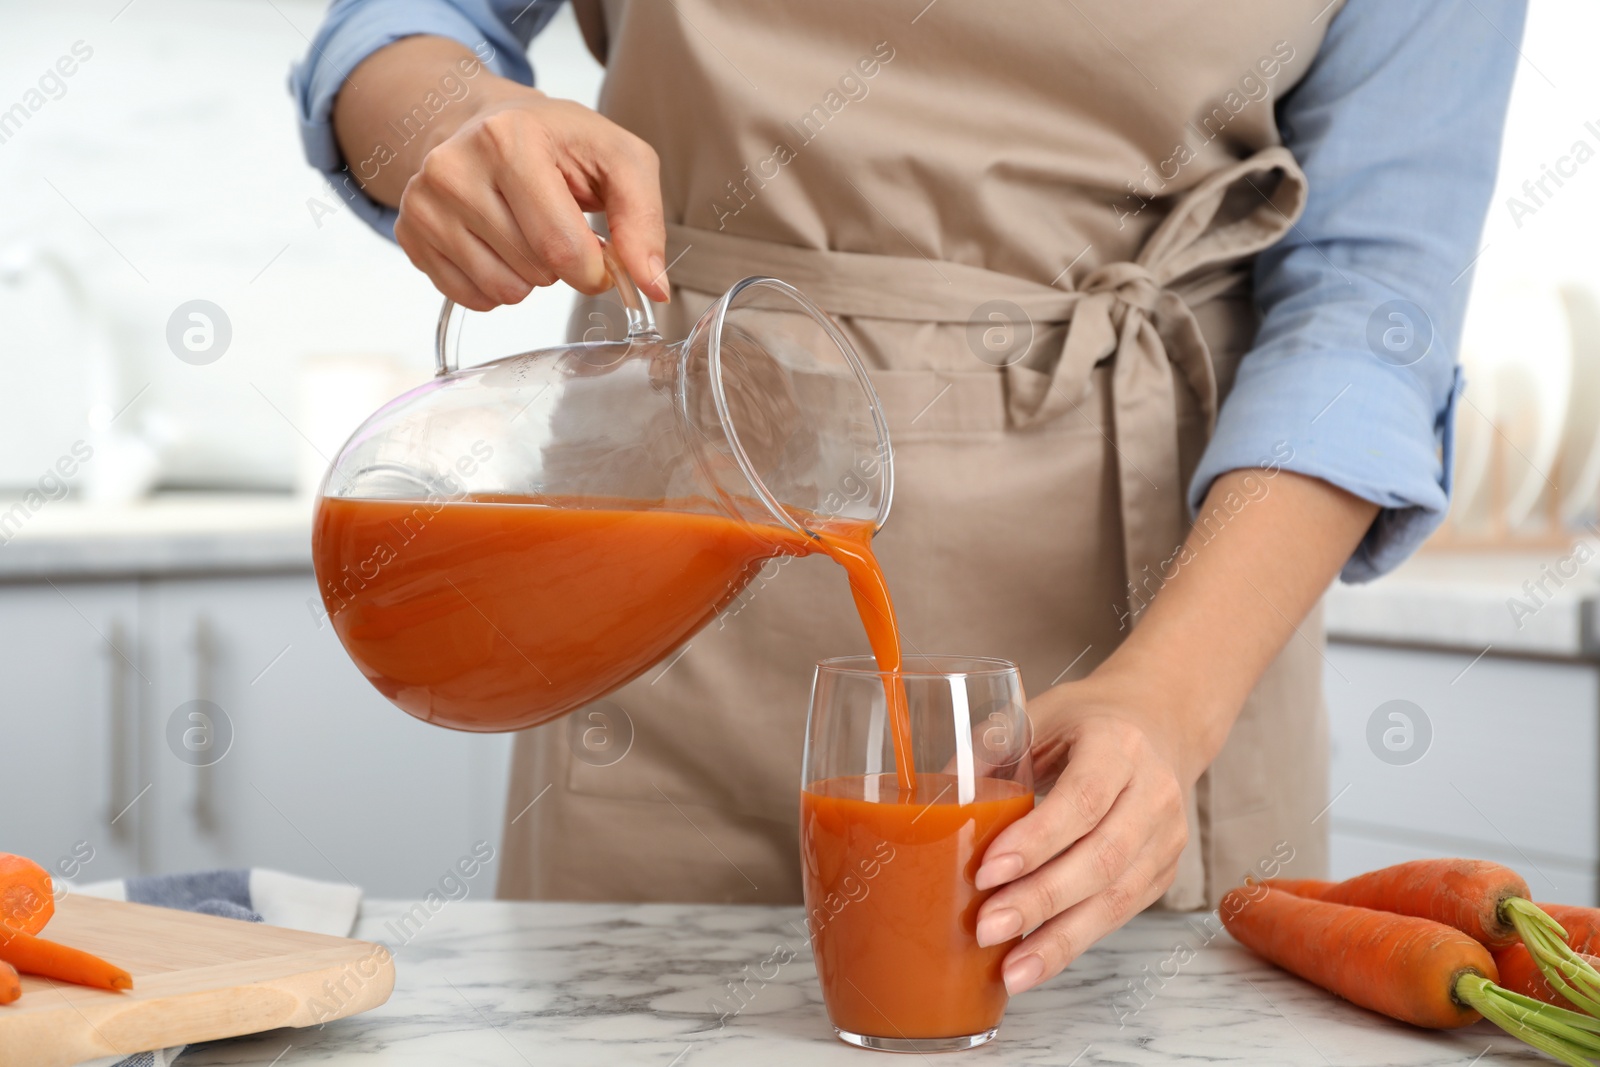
1102 845
1098 770
1046 951
1107 877
449 280
479 263
497 209
452 194
630 185
531 179
488 217
559 236
1092 863
1088 864
432 227
1140 838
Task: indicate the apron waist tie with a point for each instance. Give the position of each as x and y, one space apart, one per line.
1138 312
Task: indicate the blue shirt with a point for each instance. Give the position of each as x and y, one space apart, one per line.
1353 376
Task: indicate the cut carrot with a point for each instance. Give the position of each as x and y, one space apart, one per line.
26 898
48 959
10 984
1401 966
1407 967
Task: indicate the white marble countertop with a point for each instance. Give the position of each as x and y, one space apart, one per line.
502 984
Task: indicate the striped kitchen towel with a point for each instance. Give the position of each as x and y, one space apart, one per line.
255 895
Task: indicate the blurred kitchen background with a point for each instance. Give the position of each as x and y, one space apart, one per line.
171 699
166 170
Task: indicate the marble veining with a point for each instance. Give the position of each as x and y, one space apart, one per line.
501 984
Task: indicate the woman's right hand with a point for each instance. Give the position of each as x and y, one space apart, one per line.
492 187
496 208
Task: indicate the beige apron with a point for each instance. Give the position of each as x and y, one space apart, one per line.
960 185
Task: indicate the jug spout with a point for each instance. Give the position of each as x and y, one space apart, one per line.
786 425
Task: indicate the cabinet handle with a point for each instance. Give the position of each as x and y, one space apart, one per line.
120 736
204 810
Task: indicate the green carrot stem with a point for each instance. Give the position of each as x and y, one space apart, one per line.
1545 1027
1577 1020
1567 972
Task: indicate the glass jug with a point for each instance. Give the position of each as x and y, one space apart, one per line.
512 540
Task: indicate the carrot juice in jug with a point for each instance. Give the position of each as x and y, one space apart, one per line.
498 613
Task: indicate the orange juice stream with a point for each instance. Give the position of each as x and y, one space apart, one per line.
853 552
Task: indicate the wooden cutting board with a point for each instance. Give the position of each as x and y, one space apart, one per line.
195 978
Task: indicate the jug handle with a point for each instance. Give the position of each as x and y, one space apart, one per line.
641 320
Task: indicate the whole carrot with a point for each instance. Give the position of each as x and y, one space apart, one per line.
26 898
1409 968
10 984
1487 901
1404 967
1469 895
49 959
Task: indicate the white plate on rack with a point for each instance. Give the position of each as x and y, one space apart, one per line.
1580 448
1517 352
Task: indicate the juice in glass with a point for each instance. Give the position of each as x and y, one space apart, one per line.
892 907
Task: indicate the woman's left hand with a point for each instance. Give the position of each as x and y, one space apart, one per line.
1104 842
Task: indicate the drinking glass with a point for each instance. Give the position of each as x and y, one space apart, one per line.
889 871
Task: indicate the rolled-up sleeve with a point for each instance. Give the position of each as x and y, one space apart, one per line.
1353 377
497 32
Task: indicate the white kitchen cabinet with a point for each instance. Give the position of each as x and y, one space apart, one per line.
1493 757
318 774
76 770
321 774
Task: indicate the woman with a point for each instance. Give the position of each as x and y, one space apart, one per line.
1103 265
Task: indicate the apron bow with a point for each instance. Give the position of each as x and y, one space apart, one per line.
1140 310
1107 313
